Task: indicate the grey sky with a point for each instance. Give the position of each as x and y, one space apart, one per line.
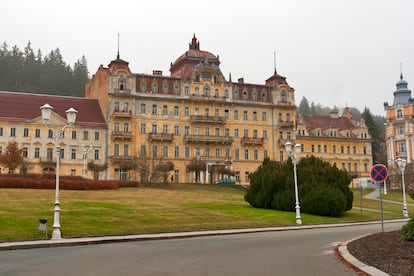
343 52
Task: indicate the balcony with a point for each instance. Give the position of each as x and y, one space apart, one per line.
284 103
122 114
209 98
121 135
287 124
401 154
207 119
48 160
208 139
122 158
122 92
160 136
252 141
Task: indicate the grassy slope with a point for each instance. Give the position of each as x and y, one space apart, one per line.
180 207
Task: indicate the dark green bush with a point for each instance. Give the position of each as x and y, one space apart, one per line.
323 189
324 201
408 230
284 201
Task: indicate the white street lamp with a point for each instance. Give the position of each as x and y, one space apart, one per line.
85 151
198 152
295 156
71 114
401 165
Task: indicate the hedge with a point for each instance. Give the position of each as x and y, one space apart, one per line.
47 181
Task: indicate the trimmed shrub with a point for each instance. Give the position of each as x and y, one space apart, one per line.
408 230
323 189
324 201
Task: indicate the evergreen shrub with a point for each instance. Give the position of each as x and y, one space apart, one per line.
408 230
323 189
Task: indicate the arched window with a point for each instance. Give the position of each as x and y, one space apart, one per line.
399 113
216 93
283 96
143 86
206 90
254 96
154 87
245 95
122 83
165 88
264 98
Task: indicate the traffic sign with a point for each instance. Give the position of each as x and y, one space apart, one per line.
379 173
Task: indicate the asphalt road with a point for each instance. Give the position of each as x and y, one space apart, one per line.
297 252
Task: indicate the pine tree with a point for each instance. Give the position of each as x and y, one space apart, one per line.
304 107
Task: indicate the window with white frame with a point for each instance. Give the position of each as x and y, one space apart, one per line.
400 114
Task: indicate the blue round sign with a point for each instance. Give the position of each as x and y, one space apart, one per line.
379 173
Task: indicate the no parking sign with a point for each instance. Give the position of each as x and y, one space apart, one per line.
379 173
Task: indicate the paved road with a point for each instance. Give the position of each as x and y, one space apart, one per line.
297 252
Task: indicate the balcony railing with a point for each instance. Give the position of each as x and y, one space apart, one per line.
252 141
208 98
47 159
207 119
208 139
284 102
122 158
121 135
160 136
285 123
123 114
402 154
122 91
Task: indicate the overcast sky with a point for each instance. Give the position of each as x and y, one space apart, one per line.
342 52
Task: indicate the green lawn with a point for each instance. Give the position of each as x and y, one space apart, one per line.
180 207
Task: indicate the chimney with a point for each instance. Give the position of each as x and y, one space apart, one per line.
334 114
157 72
241 80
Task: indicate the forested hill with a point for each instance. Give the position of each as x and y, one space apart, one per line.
30 72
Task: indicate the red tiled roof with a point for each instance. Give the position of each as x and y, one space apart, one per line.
323 122
22 107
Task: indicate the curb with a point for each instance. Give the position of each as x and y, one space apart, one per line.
344 253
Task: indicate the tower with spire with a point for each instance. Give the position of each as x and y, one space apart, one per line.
399 128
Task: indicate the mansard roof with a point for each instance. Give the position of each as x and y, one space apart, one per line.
23 107
326 122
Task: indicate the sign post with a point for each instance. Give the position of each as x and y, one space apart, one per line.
378 174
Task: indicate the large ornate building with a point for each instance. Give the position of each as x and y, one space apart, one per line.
339 140
193 115
207 126
399 127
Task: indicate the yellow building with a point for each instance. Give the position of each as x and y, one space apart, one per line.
21 122
194 116
399 127
339 140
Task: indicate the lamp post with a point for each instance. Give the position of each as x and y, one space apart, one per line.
71 113
294 157
198 153
401 165
85 151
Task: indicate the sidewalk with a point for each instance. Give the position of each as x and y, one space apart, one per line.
342 249
375 195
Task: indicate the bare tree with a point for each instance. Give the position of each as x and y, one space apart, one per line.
153 168
12 157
